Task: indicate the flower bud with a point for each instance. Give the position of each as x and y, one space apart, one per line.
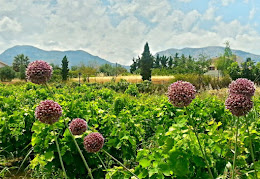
78 126
181 93
93 142
239 105
48 112
39 72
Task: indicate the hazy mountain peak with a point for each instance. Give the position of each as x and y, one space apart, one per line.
75 57
210 51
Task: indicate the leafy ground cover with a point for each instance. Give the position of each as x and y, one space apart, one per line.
145 132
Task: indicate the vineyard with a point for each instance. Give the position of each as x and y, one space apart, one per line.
144 132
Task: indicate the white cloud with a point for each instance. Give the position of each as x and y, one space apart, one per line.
8 24
90 26
227 2
209 14
252 13
185 1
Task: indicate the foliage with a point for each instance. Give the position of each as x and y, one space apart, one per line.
248 70
146 133
20 64
163 65
132 90
56 73
146 63
7 73
205 81
110 70
64 68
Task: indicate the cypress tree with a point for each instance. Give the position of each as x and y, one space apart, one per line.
64 68
146 63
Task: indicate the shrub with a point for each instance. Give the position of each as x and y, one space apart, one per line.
132 90
7 73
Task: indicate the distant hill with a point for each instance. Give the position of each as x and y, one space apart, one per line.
74 57
211 52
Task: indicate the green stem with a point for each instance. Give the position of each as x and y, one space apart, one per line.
83 158
120 163
235 154
58 148
251 146
103 164
47 86
201 149
65 124
204 154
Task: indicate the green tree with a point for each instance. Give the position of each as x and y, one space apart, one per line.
202 64
64 68
248 69
170 62
20 64
146 63
56 73
87 70
227 51
7 73
234 71
107 69
157 61
133 67
164 61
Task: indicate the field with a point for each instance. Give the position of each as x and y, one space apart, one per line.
145 132
131 79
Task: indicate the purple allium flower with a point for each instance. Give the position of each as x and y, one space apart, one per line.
242 86
238 104
93 142
39 72
78 126
48 112
181 93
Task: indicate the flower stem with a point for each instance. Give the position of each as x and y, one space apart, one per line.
235 154
251 146
120 163
204 154
201 149
83 158
47 86
103 164
58 148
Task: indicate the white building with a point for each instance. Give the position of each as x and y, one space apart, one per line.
2 64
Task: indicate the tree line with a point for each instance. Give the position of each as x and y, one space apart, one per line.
147 64
227 64
60 73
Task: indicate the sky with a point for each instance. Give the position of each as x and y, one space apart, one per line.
117 30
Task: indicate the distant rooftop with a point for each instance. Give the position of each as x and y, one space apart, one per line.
2 63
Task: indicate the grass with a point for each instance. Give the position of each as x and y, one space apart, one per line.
131 79
104 79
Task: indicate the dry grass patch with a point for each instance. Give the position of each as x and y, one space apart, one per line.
131 79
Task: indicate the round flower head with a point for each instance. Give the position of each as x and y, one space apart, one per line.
48 112
239 105
39 72
78 126
242 86
93 142
181 93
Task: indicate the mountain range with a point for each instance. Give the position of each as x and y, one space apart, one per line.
75 57
79 56
210 52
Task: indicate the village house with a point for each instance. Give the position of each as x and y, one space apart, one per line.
2 64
